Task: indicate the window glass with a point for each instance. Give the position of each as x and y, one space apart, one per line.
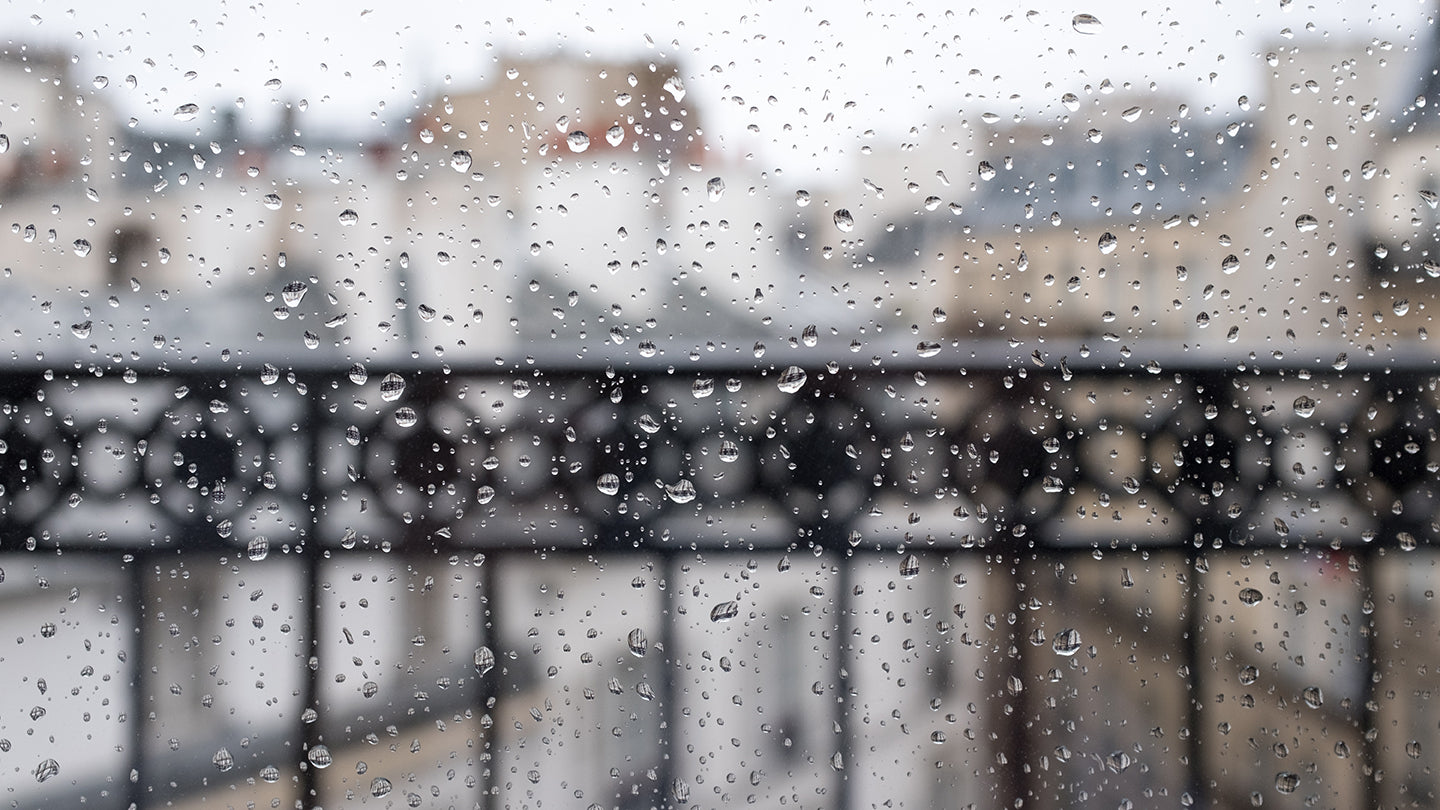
846 406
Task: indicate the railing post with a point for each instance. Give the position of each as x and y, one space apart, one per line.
310 734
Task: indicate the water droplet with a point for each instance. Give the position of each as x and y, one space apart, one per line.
485 494
615 135
186 112
484 660
223 760
258 548
802 198
1431 198
910 566
1249 675
577 141
1306 223
725 611
1067 642
294 292
648 424
520 388
810 336
1118 761
681 491
1130 114
702 388
269 374
380 786
791 379
406 417
319 756
46 770
81 330
392 387
1304 406
271 201
1286 782
675 86
1108 242
461 161
987 171
844 221
1130 485
1086 24
81 247
609 483
638 643
729 451
927 348
1412 749
715 188
352 435
270 774
1251 596
349 217
1230 264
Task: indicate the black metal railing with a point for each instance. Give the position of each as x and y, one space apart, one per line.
1102 574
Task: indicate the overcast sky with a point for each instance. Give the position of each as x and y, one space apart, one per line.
827 72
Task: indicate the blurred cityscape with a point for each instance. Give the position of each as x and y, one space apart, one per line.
572 206
570 216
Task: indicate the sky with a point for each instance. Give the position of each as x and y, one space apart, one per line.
785 82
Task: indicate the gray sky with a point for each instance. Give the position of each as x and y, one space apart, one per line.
817 76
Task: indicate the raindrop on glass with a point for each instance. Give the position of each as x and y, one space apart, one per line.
484 660
910 566
1067 642
258 548
46 770
638 643
791 379
681 491
392 387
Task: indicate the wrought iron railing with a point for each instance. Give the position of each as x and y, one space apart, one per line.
1017 583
